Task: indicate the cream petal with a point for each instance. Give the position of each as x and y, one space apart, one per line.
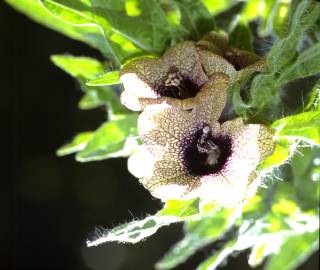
212 98
213 63
184 56
173 187
237 180
210 101
260 136
234 184
141 162
163 126
172 191
142 78
139 78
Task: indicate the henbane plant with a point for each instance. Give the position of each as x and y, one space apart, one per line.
197 103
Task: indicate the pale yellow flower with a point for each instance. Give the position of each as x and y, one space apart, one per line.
188 154
178 76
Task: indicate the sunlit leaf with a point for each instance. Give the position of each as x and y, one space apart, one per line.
84 69
180 208
105 79
198 234
281 13
314 98
303 126
294 251
112 139
252 10
265 245
127 34
85 33
218 257
77 144
303 166
218 6
268 11
282 152
307 64
137 230
134 231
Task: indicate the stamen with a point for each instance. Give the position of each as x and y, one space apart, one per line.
207 146
174 79
204 152
177 86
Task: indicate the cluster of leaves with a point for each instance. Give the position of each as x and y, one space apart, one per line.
280 222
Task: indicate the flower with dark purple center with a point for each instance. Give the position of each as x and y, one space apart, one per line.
188 153
177 75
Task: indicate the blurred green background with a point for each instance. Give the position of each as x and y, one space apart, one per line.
56 203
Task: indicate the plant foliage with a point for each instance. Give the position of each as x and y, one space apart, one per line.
281 223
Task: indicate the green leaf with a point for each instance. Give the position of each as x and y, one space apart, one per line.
137 230
195 18
240 37
304 169
81 68
281 12
284 51
303 126
88 34
198 234
252 10
265 245
267 15
133 232
314 98
181 209
294 251
126 34
282 152
181 251
239 106
113 139
218 6
84 69
264 91
77 144
307 64
105 79
263 10
218 257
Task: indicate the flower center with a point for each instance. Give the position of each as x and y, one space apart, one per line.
206 145
205 153
176 85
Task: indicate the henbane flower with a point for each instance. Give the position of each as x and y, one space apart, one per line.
188 154
178 76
